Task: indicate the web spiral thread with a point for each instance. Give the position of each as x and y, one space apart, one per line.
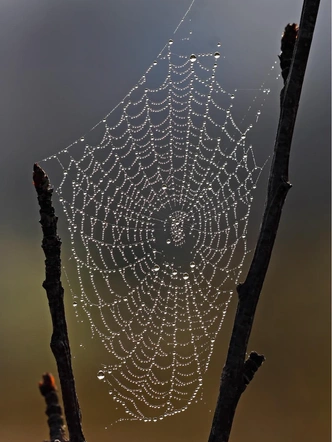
158 211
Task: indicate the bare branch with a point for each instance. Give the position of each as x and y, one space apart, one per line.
59 342
235 378
55 421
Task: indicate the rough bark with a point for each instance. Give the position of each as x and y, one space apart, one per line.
51 245
55 420
234 378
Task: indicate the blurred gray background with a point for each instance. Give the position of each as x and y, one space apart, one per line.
63 65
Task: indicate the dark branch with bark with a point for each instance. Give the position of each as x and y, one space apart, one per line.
51 245
235 378
55 420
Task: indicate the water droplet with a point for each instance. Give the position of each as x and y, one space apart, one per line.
74 304
185 276
193 58
219 44
170 42
155 63
156 268
164 187
217 55
101 375
192 265
168 241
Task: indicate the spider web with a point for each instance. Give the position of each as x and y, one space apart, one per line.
158 212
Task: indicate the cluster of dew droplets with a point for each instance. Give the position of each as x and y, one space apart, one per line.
158 212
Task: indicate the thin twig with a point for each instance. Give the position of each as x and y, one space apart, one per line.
59 342
235 378
55 421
